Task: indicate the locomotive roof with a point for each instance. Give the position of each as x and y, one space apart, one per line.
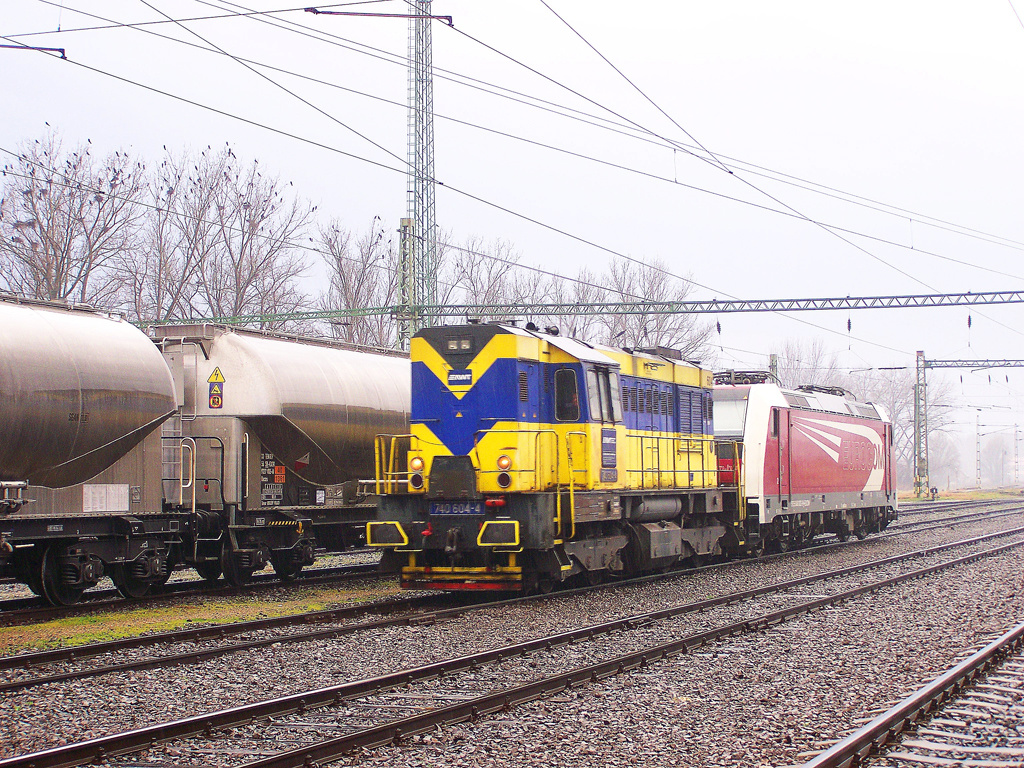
812 401
648 364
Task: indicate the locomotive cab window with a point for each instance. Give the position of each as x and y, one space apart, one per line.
602 393
567 399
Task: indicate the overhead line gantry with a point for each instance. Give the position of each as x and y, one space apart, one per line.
703 307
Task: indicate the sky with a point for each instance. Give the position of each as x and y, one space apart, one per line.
553 123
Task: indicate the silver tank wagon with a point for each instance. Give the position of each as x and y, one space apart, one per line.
318 406
78 390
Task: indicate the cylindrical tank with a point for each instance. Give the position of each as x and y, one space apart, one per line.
78 390
317 406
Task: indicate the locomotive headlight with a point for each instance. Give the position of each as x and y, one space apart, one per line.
504 462
416 464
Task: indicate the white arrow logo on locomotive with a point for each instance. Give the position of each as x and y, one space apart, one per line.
812 430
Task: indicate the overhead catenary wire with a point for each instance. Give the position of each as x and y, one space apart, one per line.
771 197
450 188
626 130
563 150
563 232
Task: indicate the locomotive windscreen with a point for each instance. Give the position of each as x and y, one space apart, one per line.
730 411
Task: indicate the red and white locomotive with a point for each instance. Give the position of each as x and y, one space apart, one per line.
813 460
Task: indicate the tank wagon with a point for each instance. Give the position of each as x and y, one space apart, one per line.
216 448
812 460
532 458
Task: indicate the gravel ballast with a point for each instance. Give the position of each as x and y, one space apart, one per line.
53 714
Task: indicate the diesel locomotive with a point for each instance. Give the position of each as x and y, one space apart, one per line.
221 449
533 458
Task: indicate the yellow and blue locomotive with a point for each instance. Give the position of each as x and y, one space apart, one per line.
533 458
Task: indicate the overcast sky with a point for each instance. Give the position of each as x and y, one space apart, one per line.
914 107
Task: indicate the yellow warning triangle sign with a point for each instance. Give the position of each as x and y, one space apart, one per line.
216 377
216 389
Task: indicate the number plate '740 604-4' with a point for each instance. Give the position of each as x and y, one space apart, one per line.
456 507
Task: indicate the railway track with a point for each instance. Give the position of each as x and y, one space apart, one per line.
922 508
24 610
411 611
193 645
401 703
967 716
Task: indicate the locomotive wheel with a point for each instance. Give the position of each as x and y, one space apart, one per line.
234 574
285 570
594 577
55 591
128 585
209 570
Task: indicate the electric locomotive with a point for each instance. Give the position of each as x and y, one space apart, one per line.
814 460
533 458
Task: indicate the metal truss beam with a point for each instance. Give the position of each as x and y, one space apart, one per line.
710 307
921 481
977 364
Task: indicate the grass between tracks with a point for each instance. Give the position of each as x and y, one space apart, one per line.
132 622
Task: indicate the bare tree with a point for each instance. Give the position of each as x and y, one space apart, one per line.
894 390
809 362
944 461
64 220
652 282
996 459
482 273
363 274
255 260
160 281
583 290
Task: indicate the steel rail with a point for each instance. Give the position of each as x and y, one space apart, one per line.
143 738
854 748
195 587
332 749
218 632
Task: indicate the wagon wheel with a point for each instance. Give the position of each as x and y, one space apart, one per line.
285 568
54 590
843 532
209 570
35 578
235 574
128 585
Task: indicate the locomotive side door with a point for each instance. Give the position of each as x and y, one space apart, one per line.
528 400
785 457
887 460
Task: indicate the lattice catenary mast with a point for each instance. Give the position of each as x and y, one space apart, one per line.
418 277
921 483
